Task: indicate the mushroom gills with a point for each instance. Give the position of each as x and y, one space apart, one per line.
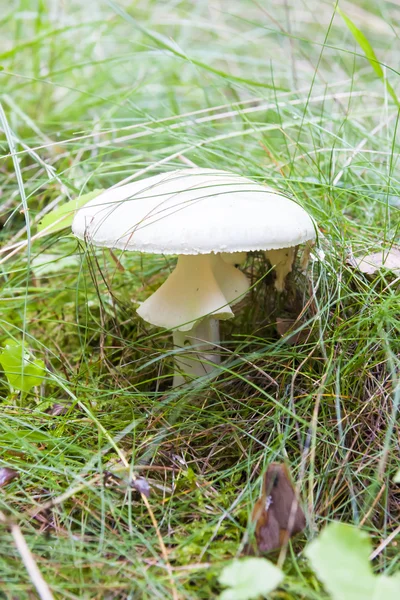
201 285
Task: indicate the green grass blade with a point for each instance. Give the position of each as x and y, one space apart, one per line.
369 52
163 42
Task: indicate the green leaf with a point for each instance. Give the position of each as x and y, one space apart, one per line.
366 47
62 216
340 558
18 434
396 478
249 578
48 264
386 588
22 370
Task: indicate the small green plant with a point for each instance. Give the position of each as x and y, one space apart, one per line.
22 370
249 578
340 558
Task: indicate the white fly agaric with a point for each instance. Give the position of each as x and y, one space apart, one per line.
199 215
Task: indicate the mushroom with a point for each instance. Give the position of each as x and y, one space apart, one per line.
201 215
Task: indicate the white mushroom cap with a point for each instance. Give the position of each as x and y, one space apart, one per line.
193 211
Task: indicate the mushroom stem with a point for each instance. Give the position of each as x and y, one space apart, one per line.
198 293
202 352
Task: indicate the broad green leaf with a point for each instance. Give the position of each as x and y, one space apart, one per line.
22 370
340 558
396 478
47 264
62 216
37 437
249 578
386 588
366 47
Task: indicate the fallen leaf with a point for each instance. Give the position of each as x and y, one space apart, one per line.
384 259
287 330
7 475
277 513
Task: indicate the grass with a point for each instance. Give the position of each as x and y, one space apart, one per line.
278 92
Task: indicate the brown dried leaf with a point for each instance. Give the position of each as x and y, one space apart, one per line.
277 514
7 475
286 329
384 259
284 325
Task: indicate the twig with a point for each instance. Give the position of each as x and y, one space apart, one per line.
27 558
383 544
375 502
